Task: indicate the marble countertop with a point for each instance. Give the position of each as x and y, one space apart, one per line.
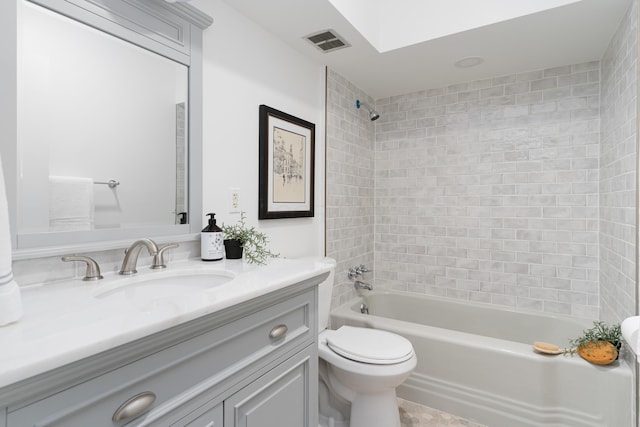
66 321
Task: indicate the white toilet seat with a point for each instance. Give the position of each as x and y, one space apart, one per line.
371 346
360 368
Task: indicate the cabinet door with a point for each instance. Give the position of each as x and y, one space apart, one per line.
211 418
284 397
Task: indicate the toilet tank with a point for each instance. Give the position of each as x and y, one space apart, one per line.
325 290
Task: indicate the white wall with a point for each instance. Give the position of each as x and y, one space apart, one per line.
244 66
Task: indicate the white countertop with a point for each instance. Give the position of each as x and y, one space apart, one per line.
64 322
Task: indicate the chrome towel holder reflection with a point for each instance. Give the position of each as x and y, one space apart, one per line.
112 183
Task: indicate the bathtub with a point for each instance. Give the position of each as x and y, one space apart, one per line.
476 361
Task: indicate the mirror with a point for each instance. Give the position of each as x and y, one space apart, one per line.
100 129
107 122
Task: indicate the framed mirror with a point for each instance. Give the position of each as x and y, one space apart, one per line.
108 127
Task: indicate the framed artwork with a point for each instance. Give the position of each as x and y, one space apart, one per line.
286 170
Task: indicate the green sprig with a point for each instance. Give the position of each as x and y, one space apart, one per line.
599 332
254 242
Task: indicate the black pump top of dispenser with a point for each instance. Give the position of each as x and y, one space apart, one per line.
212 227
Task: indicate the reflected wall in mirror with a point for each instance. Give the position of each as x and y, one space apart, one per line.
94 108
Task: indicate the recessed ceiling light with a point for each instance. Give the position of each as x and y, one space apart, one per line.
468 62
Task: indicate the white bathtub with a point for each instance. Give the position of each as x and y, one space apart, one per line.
476 361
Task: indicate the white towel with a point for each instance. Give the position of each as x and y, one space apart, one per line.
10 301
71 206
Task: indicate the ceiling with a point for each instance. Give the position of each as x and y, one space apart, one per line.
569 34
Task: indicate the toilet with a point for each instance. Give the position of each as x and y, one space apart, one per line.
360 369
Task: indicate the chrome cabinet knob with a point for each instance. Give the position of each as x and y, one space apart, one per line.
278 332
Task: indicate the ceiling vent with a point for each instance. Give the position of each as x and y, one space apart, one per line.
327 40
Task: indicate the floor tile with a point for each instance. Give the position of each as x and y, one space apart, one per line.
415 415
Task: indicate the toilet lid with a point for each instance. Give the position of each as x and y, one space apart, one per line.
370 345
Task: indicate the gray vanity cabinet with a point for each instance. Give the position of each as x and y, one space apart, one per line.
253 365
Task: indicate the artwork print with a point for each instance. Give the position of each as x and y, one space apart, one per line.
286 165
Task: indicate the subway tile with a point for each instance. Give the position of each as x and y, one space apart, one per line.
490 190
503 80
574 79
542 84
530 75
557 307
557 71
525 97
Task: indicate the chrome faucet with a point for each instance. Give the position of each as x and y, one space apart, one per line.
362 285
131 255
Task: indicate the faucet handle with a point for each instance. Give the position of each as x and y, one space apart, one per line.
352 273
361 269
158 258
93 269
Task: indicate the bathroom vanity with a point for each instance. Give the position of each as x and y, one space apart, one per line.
242 353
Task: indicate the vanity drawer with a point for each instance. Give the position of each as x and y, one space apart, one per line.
198 366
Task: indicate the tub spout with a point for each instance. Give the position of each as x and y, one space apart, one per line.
362 285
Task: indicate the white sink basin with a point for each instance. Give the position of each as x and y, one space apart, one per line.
147 289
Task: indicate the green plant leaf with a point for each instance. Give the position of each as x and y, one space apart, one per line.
599 332
254 242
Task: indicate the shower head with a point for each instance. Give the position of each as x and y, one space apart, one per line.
373 114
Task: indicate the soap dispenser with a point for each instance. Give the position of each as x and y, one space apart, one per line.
211 241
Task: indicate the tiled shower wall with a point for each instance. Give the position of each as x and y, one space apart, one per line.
517 190
488 191
618 179
350 183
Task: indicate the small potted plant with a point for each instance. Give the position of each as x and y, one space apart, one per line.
600 344
240 238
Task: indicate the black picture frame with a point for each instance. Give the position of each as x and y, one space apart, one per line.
286 165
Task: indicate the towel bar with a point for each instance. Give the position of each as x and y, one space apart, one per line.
112 183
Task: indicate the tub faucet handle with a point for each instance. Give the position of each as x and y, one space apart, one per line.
356 271
362 269
352 273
